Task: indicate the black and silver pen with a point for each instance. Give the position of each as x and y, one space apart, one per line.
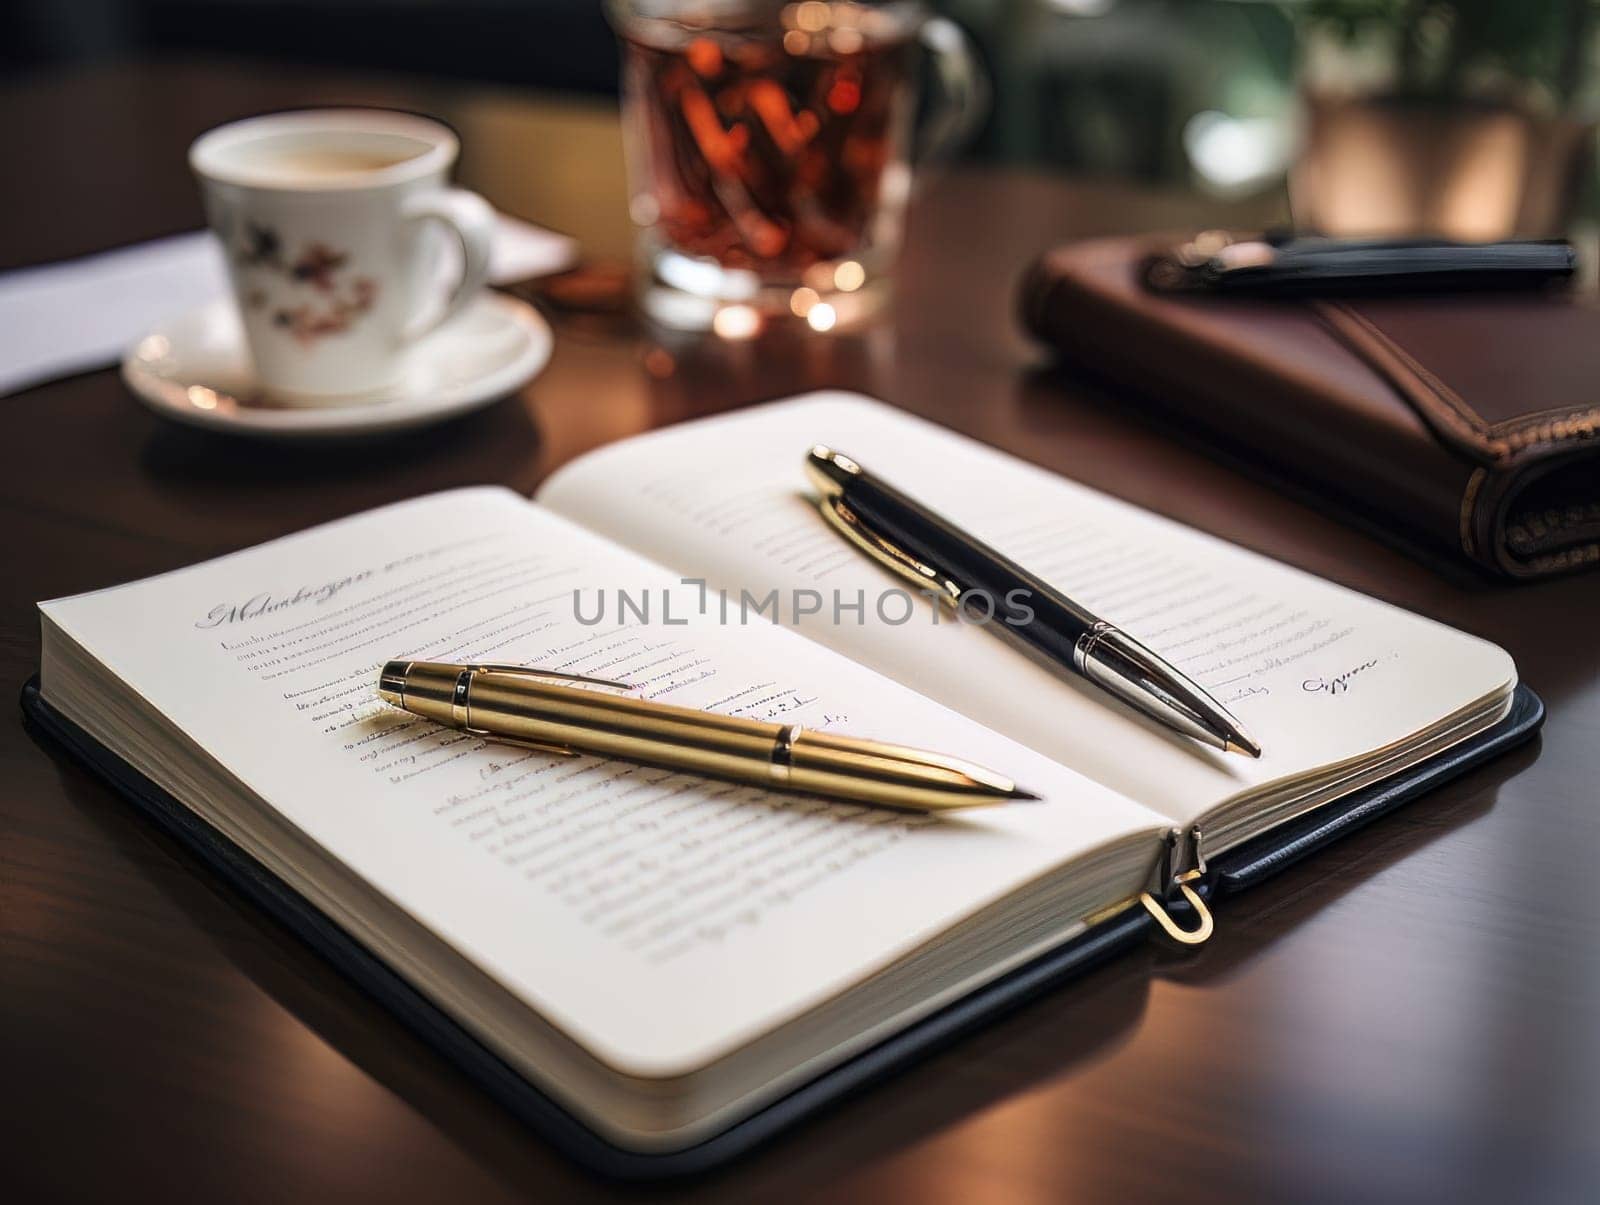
914 542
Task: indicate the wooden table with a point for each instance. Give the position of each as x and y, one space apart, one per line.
1414 1014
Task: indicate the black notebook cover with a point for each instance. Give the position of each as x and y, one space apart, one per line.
1239 868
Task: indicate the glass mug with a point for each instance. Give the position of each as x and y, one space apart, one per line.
769 151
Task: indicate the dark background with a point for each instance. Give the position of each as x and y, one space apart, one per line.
1100 87
555 44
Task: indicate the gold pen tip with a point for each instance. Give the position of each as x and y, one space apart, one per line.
1018 793
1239 742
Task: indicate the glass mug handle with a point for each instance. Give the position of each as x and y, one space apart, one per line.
963 87
472 220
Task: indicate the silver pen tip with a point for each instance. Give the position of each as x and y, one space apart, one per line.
1241 742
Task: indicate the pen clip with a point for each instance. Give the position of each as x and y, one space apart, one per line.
525 671
464 685
838 513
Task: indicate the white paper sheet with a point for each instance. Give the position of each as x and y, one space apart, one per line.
70 317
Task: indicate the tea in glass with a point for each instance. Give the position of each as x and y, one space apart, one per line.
768 153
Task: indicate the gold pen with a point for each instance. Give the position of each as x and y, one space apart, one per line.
558 713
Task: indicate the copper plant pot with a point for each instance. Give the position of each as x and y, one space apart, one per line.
1388 166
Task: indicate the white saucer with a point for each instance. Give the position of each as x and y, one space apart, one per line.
195 369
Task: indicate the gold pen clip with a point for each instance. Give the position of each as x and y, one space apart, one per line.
464 689
527 671
924 576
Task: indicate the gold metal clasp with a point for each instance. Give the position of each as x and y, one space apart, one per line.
1182 855
1204 926
1182 864
896 560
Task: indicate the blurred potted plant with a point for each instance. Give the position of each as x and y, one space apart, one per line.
1466 118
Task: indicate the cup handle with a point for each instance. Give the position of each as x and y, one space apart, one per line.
964 88
472 219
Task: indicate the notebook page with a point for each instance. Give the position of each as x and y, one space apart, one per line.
1317 673
585 886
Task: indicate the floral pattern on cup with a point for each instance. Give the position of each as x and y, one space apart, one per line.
318 266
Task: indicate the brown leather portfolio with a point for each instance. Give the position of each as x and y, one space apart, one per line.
1469 421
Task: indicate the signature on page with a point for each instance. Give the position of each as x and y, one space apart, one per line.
1338 684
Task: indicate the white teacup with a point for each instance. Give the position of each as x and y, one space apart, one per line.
328 219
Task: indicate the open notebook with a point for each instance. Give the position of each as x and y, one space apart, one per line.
665 955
